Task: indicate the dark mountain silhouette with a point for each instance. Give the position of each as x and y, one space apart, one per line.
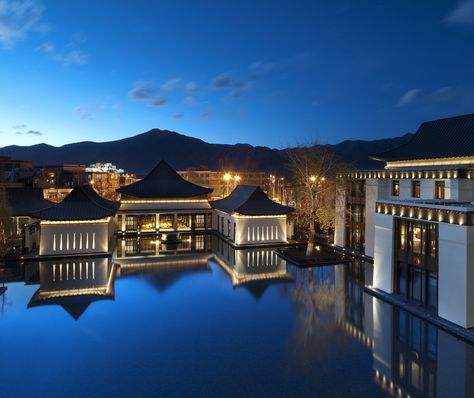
138 154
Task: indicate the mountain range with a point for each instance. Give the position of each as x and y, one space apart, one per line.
138 154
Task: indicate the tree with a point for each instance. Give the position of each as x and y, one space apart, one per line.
314 170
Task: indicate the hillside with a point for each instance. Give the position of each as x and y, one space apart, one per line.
138 154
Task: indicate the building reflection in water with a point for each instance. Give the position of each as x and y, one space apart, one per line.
253 268
411 357
152 246
73 283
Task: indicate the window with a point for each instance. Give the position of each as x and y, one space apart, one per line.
234 232
396 188
415 188
199 221
439 189
166 221
131 223
228 228
209 221
184 221
147 222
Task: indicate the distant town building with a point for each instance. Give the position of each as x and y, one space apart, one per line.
223 182
66 175
105 179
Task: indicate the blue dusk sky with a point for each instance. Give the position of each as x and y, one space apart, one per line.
273 73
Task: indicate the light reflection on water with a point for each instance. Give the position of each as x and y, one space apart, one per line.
204 319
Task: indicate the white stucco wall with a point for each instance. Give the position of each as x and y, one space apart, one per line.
383 255
260 230
251 230
456 274
75 238
375 189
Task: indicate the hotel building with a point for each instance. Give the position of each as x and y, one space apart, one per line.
81 224
415 218
248 217
163 202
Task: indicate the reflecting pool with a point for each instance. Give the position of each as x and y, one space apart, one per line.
202 319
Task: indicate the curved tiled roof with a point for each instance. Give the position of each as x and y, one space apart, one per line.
26 200
444 138
164 182
250 200
82 203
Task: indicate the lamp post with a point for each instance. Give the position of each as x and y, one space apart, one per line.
227 178
236 180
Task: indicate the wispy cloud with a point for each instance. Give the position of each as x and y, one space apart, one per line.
191 87
462 14
142 91
20 127
158 101
17 18
46 48
177 116
408 97
261 68
170 85
29 132
74 57
83 113
222 81
205 114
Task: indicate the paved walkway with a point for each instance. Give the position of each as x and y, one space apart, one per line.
420 312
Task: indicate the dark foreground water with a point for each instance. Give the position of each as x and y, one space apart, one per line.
239 324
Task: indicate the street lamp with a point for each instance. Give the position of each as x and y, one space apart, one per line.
227 178
236 180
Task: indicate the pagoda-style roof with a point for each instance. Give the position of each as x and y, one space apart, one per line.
163 182
26 201
250 200
443 138
82 203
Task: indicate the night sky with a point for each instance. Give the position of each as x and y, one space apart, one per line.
272 73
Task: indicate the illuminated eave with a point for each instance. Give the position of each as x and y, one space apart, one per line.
238 215
98 221
430 162
165 201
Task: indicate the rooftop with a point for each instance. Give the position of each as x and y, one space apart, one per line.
82 203
26 200
250 200
163 182
444 138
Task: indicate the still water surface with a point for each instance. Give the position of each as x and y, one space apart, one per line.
216 323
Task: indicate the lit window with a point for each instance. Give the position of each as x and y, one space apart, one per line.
396 188
415 188
439 189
